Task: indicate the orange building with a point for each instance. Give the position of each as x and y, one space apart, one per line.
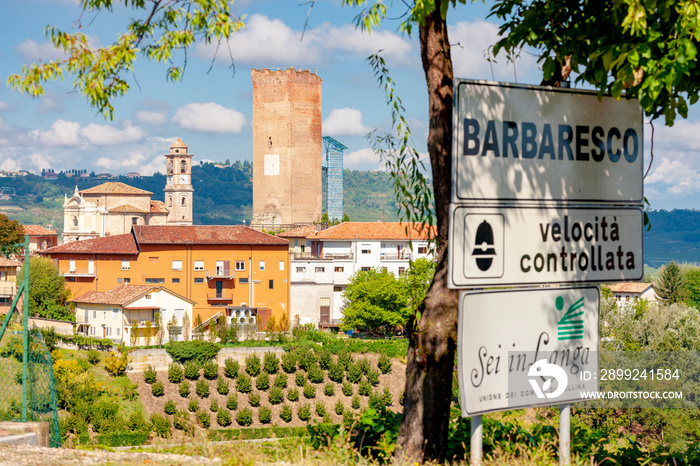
40 237
223 269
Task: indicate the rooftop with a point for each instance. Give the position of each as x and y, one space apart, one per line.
38 230
299 232
179 144
630 287
120 295
126 207
115 188
203 234
158 206
117 244
374 231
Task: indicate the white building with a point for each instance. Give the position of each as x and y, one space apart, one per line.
323 262
626 292
126 308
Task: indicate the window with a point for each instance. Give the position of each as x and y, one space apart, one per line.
126 265
120 280
198 265
92 330
115 313
339 269
94 314
86 315
183 201
117 331
108 331
176 280
71 266
148 296
242 280
199 280
155 280
365 269
422 249
91 266
271 284
366 249
240 265
262 265
281 265
127 280
325 301
301 269
337 288
177 265
320 269
183 166
402 270
75 222
170 201
152 259
134 220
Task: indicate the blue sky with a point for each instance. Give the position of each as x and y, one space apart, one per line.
211 110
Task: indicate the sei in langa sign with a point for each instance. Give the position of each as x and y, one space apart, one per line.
528 143
530 347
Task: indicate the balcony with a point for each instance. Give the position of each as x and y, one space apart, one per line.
78 272
324 256
220 296
8 289
396 256
221 274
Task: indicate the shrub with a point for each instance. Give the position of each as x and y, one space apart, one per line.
223 417
175 373
193 405
281 380
116 363
244 383
254 399
93 356
203 418
336 373
347 388
304 411
182 422
289 362
293 394
244 417
324 358
252 365
211 370
354 373
316 375
265 414
401 397
262 382
222 386
275 396
170 407
160 425
130 391
286 413
158 389
309 391
373 377
355 403
344 360
232 401
384 363
195 350
214 406
365 388
386 397
339 408
306 358
202 388
184 389
231 368
375 401
329 389
300 378
192 370
321 409
271 363
364 365
149 375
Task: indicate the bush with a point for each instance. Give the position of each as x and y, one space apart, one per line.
275 396
321 409
265 414
184 389
222 386
193 405
175 373
195 350
289 362
170 407
304 411
316 375
375 401
365 388
262 382
244 417
329 389
116 363
339 408
203 418
271 363
160 425
286 413
281 380
354 373
324 358
149 375
244 384
336 373
254 399
309 391
373 377
130 391
223 418
211 370
300 378
384 363
386 397
306 358
181 421
214 406
93 356
192 370
232 401
158 389
252 365
231 368
293 394
347 388
364 365
345 360
401 397
355 403
202 388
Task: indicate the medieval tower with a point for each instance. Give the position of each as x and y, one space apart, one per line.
287 148
178 188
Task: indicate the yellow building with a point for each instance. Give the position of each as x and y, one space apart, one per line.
232 270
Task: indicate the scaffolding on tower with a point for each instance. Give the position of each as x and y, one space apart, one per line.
333 168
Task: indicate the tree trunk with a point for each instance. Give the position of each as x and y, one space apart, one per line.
432 338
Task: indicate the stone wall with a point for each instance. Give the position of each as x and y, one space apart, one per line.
160 359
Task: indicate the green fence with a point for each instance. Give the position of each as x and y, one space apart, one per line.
27 383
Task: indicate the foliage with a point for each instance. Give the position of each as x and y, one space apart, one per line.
373 377
93 356
244 383
48 294
175 372
304 411
232 401
158 389
254 399
222 386
214 406
339 408
203 418
196 350
365 387
170 407
191 370
293 394
275 396
262 382
223 417
300 378
306 357
193 405
324 358
252 365
202 388
231 368
265 414
181 421
116 363
336 373
354 373
364 365
670 286
211 370
309 391
270 363
691 282
384 363
184 389
355 402
329 389
149 375
289 362
286 413
160 425
11 232
244 417
347 388
316 374
280 380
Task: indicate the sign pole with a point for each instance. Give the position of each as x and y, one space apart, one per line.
564 434
476 441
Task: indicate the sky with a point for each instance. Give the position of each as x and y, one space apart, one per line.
210 109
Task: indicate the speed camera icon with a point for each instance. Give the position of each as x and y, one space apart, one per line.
484 251
485 245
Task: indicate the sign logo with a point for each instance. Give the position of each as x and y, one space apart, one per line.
484 251
547 373
570 326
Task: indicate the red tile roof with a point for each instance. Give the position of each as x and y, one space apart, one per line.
115 188
126 207
630 287
119 295
158 207
117 244
374 231
38 230
203 234
5 262
299 232
179 143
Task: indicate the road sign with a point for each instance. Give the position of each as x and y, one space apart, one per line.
529 245
521 348
529 143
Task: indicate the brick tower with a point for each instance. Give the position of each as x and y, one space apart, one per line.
287 148
178 188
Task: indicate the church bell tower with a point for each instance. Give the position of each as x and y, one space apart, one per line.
178 185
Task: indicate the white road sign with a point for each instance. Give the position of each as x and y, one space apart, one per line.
507 246
528 143
521 348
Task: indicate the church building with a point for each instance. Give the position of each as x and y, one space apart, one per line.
113 208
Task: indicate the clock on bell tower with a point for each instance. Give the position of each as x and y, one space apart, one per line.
178 188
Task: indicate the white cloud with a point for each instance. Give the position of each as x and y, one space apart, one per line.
61 133
363 159
209 118
682 178
345 122
106 135
130 159
31 50
348 38
149 117
4 106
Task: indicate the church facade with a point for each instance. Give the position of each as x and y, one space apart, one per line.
113 208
